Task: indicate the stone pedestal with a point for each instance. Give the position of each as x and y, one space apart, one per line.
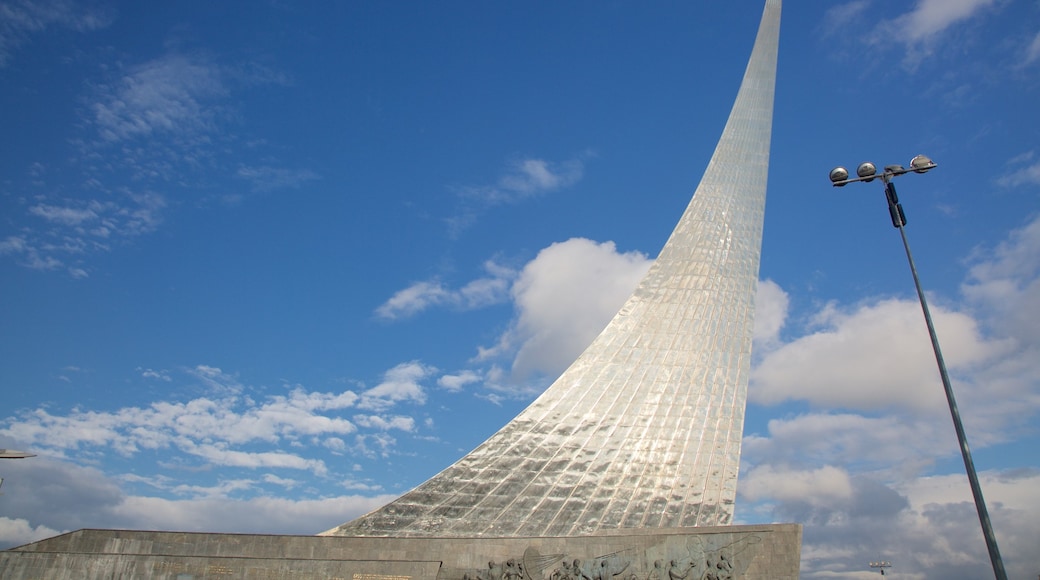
720 553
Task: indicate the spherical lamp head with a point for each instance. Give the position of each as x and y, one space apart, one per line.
921 164
839 174
866 169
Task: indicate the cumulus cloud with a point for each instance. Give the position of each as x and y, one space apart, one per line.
871 356
17 531
771 304
564 297
831 485
865 470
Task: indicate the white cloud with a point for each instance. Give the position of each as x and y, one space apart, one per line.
867 486
1033 50
831 485
219 454
564 297
158 375
485 291
898 443
414 299
771 304
1005 282
456 382
213 429
873 356
1022 170
400 384
528 177
922 28
524 179
385 423
931 17
18 531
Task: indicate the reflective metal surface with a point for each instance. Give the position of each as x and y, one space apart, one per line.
644 429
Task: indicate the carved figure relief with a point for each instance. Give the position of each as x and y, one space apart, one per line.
718 558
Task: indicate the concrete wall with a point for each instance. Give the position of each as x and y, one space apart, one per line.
722 553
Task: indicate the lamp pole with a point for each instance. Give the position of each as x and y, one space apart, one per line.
920 164
882 565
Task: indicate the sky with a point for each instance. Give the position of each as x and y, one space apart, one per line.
267 265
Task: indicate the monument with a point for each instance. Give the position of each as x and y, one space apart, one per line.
625 467
644 429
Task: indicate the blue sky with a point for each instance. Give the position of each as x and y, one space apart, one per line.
268 265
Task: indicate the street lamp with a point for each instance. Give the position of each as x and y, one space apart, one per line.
867 171
882 565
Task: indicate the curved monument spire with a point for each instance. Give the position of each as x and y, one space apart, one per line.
644 429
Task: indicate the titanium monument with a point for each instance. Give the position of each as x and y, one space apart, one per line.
644 429
625 468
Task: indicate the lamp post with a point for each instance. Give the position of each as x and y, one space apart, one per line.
882 565
867 172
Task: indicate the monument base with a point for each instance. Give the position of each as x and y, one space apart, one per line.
769 552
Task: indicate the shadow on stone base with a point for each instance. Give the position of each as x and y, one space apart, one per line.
721 553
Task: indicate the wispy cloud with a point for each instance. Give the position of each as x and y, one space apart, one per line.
922 28
267 178
838 18
929 18
69 229
485 291
21 19
1032 52
171 94
159 130
525 178
1024 169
